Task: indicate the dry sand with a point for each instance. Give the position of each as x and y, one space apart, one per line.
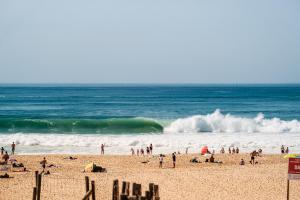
266 180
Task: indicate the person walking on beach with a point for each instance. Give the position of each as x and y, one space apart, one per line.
102 149
161 159
13 148
43 163
237 150
142 152
287 150
132 151
174 159
222 150
151 148
233 150
282 149
138 152
252 155
148 150
2 151
229 150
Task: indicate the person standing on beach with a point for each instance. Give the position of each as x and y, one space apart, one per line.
151 148
287 150
138 152
13 148
161 159
43 163
237 150
233 150
102 149
132 151
142 152
282 149
174 159
148 150
5 157
229 150
2 151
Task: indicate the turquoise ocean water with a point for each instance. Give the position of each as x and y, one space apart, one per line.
77 118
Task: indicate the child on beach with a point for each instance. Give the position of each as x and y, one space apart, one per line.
43 163
13 147
161 159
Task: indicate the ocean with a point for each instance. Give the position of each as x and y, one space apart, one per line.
76 119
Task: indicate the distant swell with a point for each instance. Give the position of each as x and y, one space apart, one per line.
220 123
101 126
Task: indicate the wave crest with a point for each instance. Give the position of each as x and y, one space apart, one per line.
217 122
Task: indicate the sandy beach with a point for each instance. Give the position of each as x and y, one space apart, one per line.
266 180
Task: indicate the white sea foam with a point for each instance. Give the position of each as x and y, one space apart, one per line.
220 123
215 130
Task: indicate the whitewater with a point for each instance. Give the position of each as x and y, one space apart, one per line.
215 130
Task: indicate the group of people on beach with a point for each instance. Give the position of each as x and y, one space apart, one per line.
141 152
161 160
230 151
4 153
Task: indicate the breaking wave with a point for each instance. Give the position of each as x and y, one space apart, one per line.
97 126
217 122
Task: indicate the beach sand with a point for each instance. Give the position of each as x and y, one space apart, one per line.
266 180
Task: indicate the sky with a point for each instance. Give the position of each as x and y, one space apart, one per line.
150 41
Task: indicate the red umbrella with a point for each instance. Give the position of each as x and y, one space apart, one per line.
204 150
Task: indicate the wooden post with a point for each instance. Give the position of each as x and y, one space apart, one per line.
125 187
136 189
151 190
115 195
87 184
36 178
34 194
123 197
148 196
39 184
288 190
93 190
156 192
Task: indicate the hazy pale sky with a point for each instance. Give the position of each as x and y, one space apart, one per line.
150 41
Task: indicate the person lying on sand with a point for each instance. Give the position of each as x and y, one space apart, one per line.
195 160
4 176
212 159
70 158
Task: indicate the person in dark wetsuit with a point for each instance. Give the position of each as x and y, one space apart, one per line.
174 159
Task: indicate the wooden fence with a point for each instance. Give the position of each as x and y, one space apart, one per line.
151 194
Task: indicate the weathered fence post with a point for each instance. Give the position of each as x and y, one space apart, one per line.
34 194
115 195
39 184
93 190
156 192
87 184
36 178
